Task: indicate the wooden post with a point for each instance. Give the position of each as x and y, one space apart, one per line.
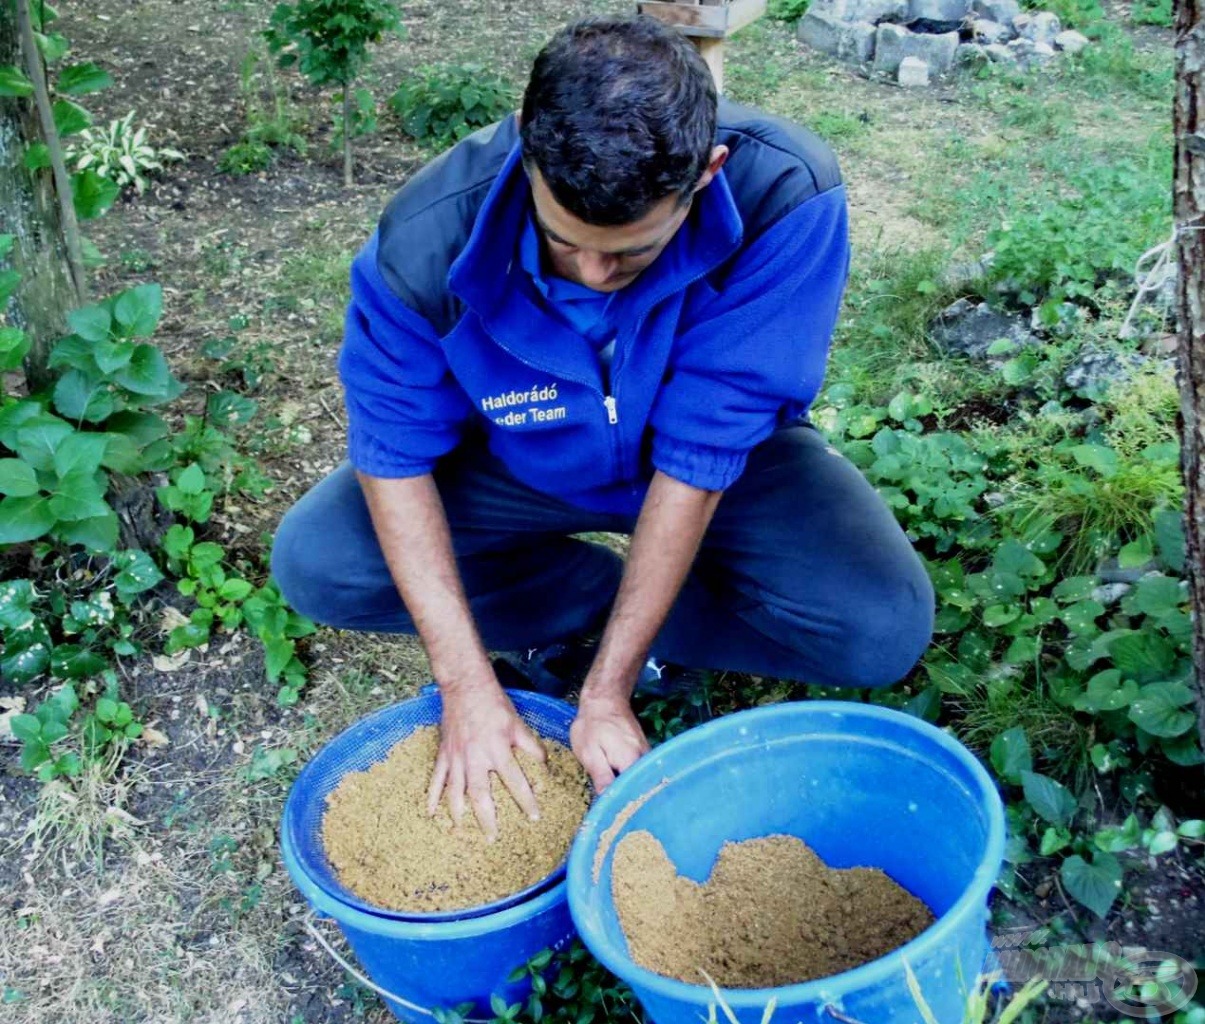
707 23
1189 218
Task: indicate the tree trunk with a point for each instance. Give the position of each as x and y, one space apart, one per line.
1189 217
347 130
29 212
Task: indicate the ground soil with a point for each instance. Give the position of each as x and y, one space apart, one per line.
771 913
389 851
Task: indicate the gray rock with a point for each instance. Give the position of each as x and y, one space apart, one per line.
937 10
963 275
988 32
969 54
1109 594
1070 41
999 53
1110 571
913 73
1042 27
893 43
1029 54
970 329
1095 370
862 10
842 39
1002 11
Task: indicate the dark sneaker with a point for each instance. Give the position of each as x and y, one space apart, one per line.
556 670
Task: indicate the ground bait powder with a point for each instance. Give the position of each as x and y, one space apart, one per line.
388 851
772 913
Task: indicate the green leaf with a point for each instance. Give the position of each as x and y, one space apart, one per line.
79 453
92 194
69 661
1050 799
1000 615
24 519
70 118
138 310
1136 554
38 438
1098 457
1011 755
78 496
234 589
17 599
111 356
79 79
191 479
26 728
1022 650
1107 692
9 279
1161 709
147 374
1117 840
277 655
14 81
37 156
1157 595
1192 829
1081 617
82 397
53 46
1169 538
1097 884
138 573
1053 840
22 662
1013 557
17 478
1143 656
92 323
14 347
98 534
1163 842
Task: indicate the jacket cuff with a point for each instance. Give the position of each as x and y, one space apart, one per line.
373 459
698 465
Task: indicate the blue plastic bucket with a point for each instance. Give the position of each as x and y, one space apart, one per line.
863 786
364 744
446 963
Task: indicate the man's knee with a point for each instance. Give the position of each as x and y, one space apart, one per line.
887 632
294 567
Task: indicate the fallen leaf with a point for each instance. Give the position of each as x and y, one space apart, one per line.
10 707
171 662
152 737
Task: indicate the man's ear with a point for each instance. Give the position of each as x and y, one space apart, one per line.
719 157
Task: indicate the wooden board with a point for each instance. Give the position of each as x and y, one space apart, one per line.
706 20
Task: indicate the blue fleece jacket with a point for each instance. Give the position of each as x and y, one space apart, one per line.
718 342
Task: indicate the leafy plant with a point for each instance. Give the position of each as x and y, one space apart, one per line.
441 104
1152 12
120 153
328 42
788 10
272 123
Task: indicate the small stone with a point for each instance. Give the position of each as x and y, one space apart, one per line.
1109 594
1070 41
987 32
1095 370
962 275
1030 54
1042 27
913 73
1002 11
862 10
838 38
970 54
971 329
999 53
894 42
937 10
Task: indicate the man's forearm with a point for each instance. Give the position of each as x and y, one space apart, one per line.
668 533
412 529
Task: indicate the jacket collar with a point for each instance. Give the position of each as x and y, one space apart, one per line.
488 277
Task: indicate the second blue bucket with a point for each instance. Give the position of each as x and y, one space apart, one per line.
863 786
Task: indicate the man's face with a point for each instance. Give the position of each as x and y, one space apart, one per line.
607 259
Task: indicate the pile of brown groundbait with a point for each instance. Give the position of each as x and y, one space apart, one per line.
772 913
388 851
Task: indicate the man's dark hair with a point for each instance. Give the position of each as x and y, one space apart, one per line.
619 114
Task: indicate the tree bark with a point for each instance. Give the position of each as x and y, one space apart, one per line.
29 211
347 130
1189 218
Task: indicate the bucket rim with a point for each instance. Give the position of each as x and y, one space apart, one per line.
819 990
427 695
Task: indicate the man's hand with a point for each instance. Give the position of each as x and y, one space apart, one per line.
479 734
606 738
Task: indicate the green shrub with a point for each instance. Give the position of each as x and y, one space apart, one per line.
787 10
1152 12
246 157
442 104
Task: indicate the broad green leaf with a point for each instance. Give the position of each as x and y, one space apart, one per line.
277 654
92 323
1011 755
17 599
78 496
26 728
235 589
1169 538
1192 829
1000 615
14 347
1098 457
229 408
24 519
79 79
138 310
14 81
97 534
6 244
38 438
53 46
137 573
1144 657
1182 750
1053 840
80 396
1157 595
1115 839
1136 554
1163 842
9 279
1162 709
1050 799
1081 617
17 478
191 479
147 374
70 118
37 156
92 194
1107 692
23 662
1014 557
79 453
122 455
1023 650
111 356
143 428
1097 884
70 661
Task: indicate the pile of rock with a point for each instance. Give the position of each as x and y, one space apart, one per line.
913 39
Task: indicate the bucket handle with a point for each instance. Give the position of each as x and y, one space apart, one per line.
840 1015
342 961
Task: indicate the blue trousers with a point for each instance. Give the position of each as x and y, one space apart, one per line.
804 573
